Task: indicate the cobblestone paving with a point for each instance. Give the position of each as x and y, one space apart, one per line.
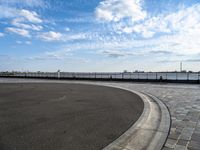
183 102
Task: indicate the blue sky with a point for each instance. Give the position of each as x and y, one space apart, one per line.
99 35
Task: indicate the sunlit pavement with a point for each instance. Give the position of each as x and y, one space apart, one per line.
183 101
51 116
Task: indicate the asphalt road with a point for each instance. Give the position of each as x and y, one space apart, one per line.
48 116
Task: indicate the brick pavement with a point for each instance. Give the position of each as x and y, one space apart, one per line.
183 102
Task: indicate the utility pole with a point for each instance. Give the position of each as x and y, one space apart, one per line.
181 66
58 73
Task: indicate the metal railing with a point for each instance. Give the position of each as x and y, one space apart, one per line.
137 76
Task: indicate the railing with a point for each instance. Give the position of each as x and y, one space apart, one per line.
147 76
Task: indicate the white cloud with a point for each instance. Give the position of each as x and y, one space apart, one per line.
50 36
166 45
82 19
116 53
18 22
60 54
56 36
28 42
26 15
116 10
31 16
78 36
2 34
150 27
104 15
23 42
7 12
22 20
19 42
22 32
184 21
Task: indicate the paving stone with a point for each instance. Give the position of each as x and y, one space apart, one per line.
179 129
194 145
186 134
181 125
175 135
197 129
182 142
180 116
198 124
171 143
183 102
191 124
172 130
191 148
196 136
195 118
166 148
180 147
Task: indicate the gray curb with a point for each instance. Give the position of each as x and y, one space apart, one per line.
150 131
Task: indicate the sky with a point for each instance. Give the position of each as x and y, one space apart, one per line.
99 35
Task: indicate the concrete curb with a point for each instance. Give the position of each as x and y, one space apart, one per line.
150 131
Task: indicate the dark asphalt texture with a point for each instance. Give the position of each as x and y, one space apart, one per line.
50 116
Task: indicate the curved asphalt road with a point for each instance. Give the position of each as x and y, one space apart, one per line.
48 116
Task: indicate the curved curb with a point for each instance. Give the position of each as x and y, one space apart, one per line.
150 131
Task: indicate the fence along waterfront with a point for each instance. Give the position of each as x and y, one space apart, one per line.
136 76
